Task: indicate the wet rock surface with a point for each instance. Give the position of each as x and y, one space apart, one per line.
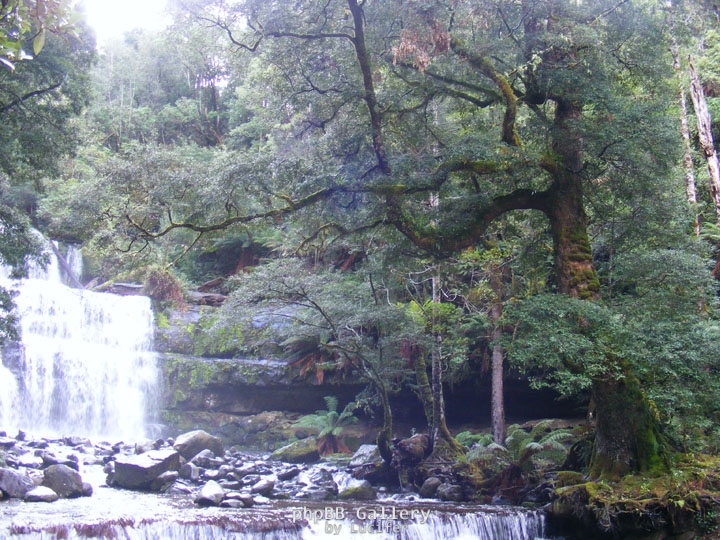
46 470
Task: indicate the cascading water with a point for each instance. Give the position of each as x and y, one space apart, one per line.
84 365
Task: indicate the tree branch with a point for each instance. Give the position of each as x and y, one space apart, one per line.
509 133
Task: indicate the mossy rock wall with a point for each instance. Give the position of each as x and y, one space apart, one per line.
250 403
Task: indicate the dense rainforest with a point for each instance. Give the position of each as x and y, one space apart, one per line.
409 193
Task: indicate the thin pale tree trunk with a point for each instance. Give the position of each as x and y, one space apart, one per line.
497 406
690 186
705 135
444 444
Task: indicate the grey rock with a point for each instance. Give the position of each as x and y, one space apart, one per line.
191 472
429 487
31 461
211 494
450 492
358 490
206 458
263 487
139 471
41 494
164 481
191 443
13 484
64 481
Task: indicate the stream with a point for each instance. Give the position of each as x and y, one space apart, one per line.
85 366
116 513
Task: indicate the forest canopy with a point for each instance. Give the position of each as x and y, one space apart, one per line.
440 179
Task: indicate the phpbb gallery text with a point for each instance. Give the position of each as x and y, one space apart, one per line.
363 519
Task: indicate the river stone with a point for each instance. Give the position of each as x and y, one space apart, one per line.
13 484
358 490
429 487
304 451
206 459
64 481
139 471
211 494
41 494
319 485
7 442
77 441
450 492
31 461
70 460
368 464
190 471
191 443
245 498
164 481
263 487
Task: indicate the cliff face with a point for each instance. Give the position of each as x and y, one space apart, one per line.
253 403
248 402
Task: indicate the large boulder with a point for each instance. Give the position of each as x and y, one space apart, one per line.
303 451
188 445
430 487
411 451
140 471
64 481
13 484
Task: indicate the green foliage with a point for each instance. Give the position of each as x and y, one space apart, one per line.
330 425
564 342
23 21
522 448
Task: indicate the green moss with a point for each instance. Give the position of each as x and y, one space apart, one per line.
569 478
162 321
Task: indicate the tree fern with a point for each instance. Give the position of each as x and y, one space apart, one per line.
330 424
521 448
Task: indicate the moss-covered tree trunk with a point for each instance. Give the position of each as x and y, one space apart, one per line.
384 437
626 436
422 381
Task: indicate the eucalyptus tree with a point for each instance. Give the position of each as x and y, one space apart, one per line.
434 119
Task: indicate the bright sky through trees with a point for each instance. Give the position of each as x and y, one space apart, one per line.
111 19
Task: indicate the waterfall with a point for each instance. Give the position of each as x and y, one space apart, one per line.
84 365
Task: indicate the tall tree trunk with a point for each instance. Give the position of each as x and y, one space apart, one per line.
627 436
497 403
443 443
423 383
575 273
384 437
705 134
690 186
